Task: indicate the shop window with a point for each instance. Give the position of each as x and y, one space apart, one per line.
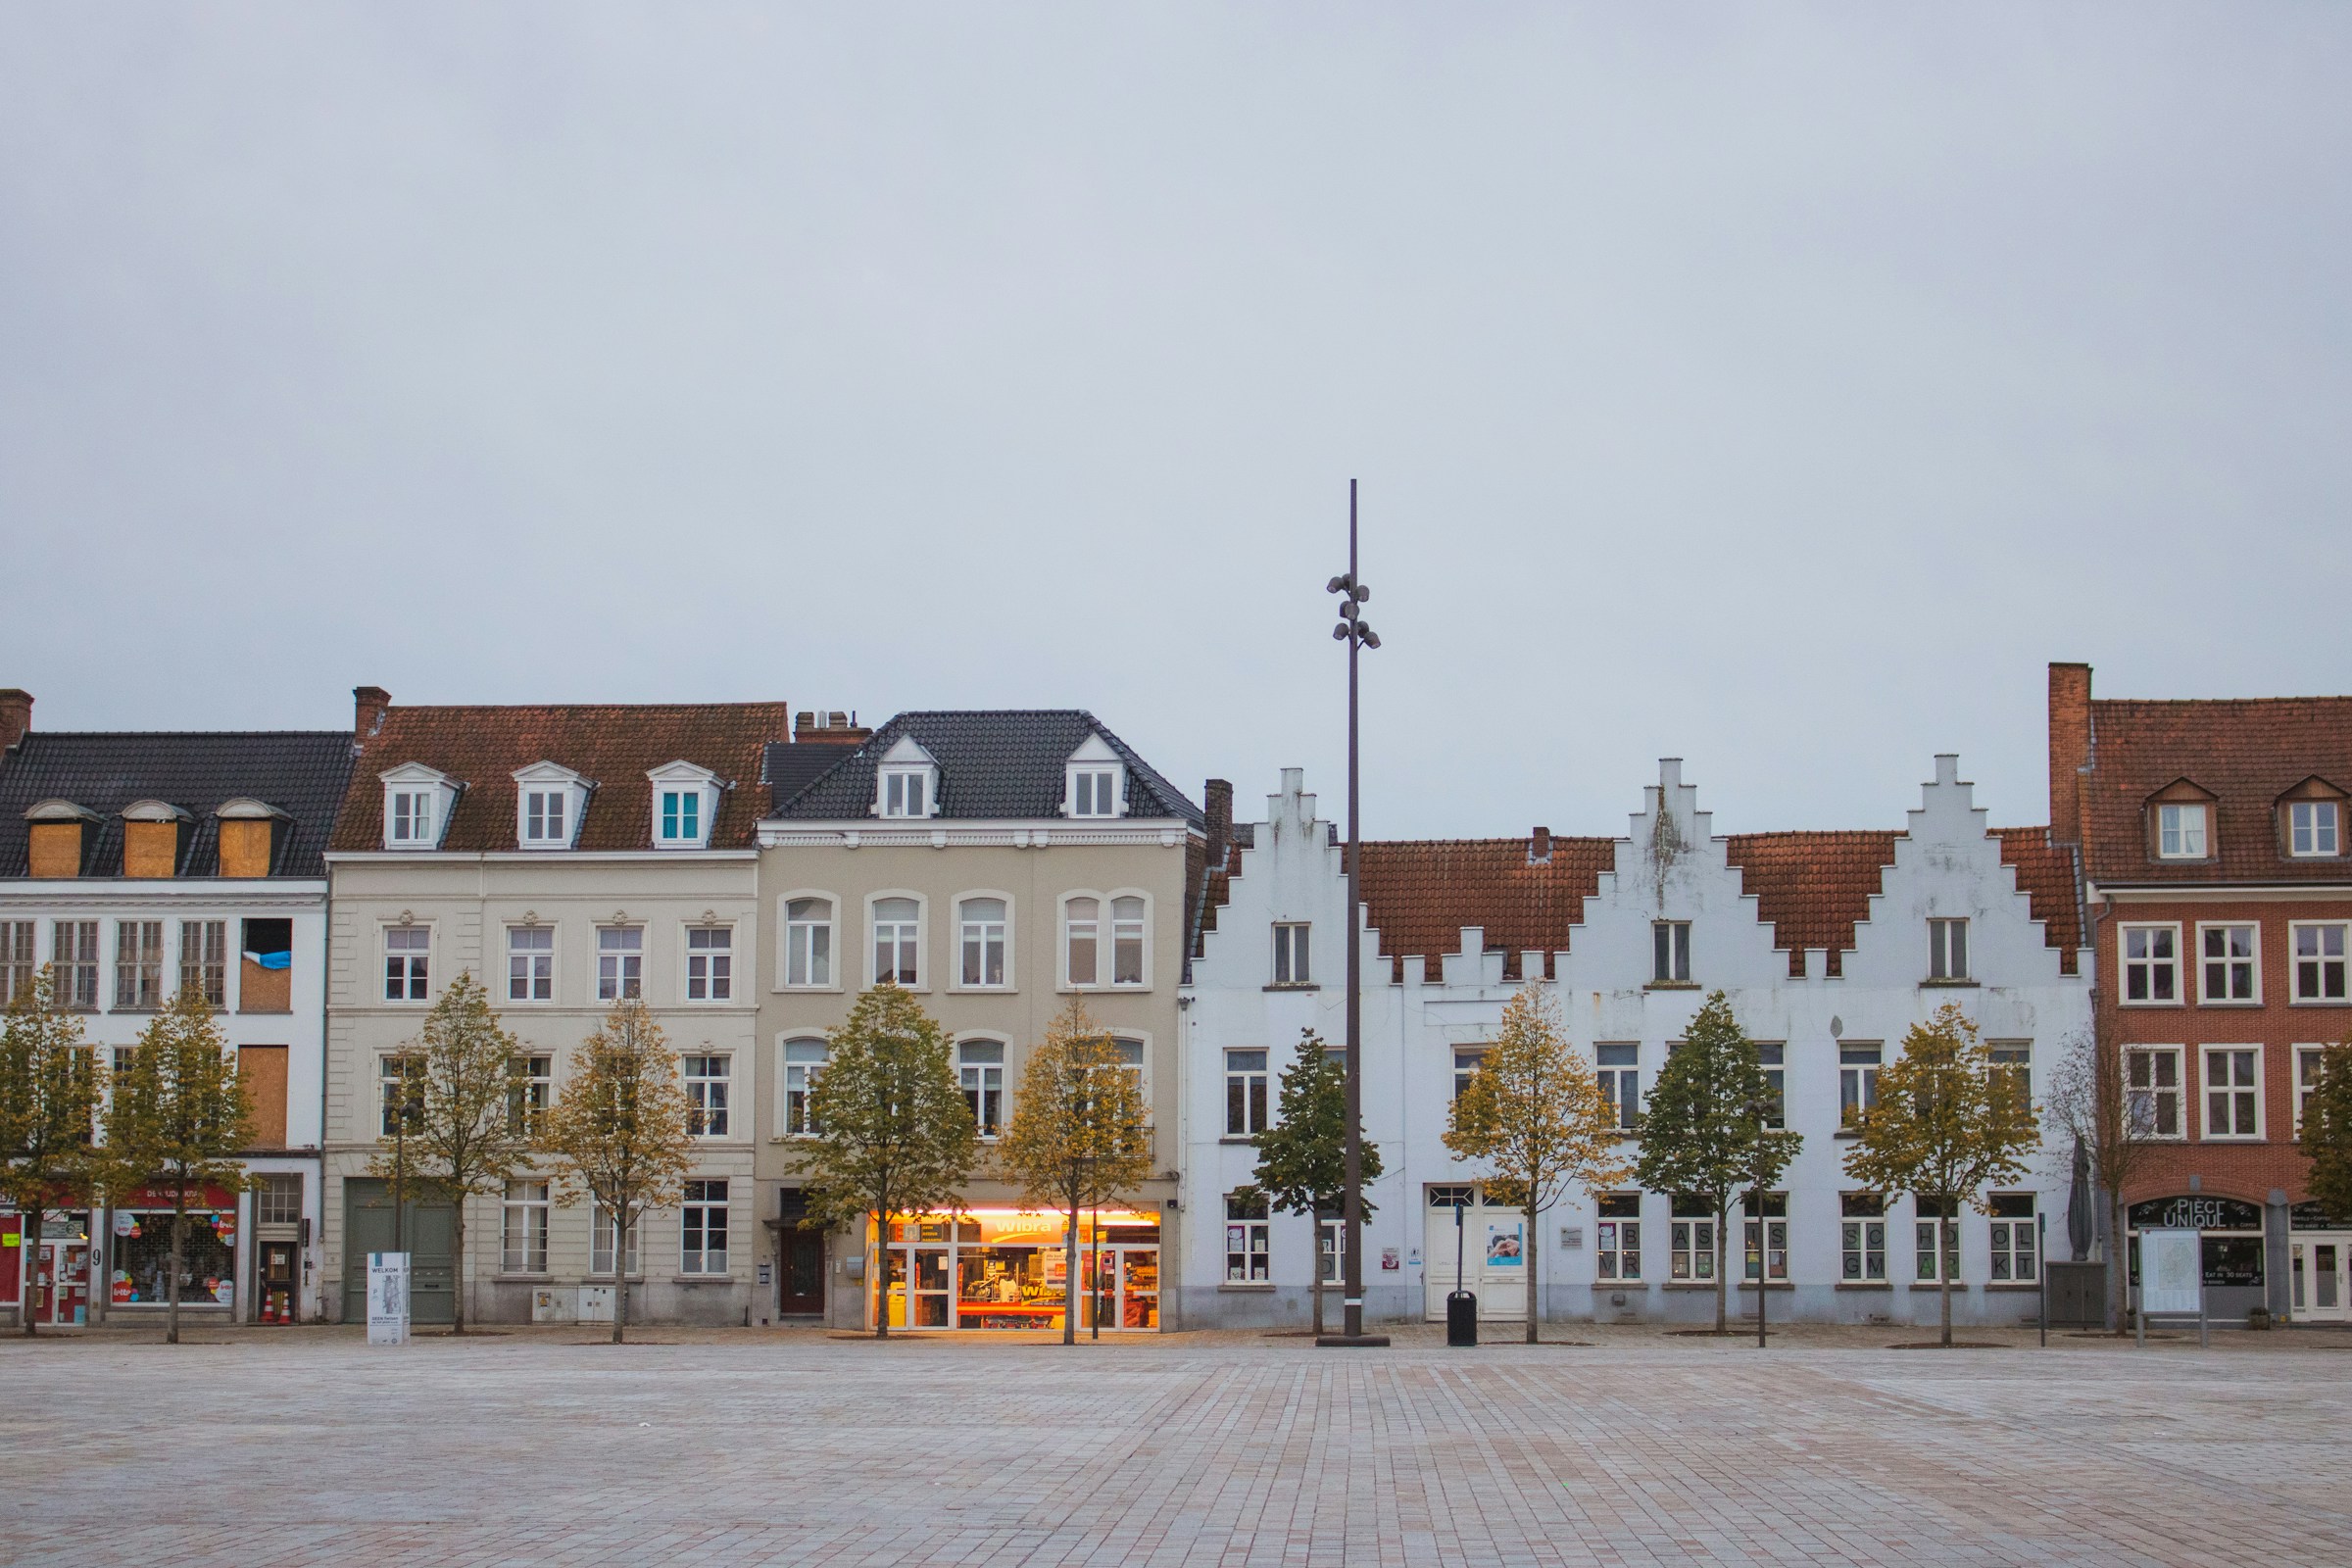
1858 1064
17 966
619 963
981 927
707 1095
2152 1091
531 964
1245 1093
530 1085
278 1200
1927 1216
1670 952
709 964
2320 963
704 1221
1862 1238
980 1065
1247 1255
897 942
1617 1236
804 1059
2233 970
407 955
1947 949
1620 1076
809 942
2016 1240
523 1229
602 1237
1765 1236
1690 1235
141 1254
1290 954
138 966
265 973
2233 1092
204 959
2151 964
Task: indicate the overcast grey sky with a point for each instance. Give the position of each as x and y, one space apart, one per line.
1776 387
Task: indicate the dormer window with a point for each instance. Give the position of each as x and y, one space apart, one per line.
417 804
549 801
906 781
2313 828
1097 781
685 805
2181 831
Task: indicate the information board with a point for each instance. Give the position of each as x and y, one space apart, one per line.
387 1297
2171 1274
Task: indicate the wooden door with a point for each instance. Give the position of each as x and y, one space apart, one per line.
801 1285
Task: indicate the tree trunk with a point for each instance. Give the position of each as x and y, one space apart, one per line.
881 1273
1315 1241
1527 1261
1721 1322
1763 1272
179 1221
1944 1270
27 1255
2119 1261
622 1220
1069 1279
457 1293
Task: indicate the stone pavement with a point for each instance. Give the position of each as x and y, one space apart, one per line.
305 1447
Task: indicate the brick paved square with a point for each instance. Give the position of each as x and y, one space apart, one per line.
307 1446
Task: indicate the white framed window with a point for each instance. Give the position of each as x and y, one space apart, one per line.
1127 941
400 1091
2016 1240
1773 1056
2012 1065
531 1082
709 964
905 792
1925 1221
2152 1091
410 819
1858 1065
619 961
685 800
1248 1254
17 960
1617 1239
1082 941
549 801
2319 962
1466 1059
809 942
1947 949
138 966
703 1229
706 1078
602 1237
407 960
530 963
804 1059
522 1231
1669 952
203 960
2181 831
1764 1226
543 812
2231 960
1862 1238
2309 1060
1691 1238
980 1065
1093 791
1135 1060
1291 967
983 927
2233 1092
898 945
1245 1093
2151 965
417 800
74 950
2313 828
1330 1244
1620 1075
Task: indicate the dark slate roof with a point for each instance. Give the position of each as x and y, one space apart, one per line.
790 767
994 765
301 772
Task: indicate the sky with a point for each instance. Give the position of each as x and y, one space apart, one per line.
1777 387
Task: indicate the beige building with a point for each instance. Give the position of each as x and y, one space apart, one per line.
566 856
998 865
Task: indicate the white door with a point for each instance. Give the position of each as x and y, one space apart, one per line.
2320 1269
1493 1245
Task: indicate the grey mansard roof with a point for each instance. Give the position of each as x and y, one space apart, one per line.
994 765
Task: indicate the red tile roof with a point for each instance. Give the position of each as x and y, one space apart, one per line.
614 744
1421 893
2045 871
2247 752
1812 887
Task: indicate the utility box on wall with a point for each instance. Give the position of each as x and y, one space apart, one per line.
551 1307
596 1303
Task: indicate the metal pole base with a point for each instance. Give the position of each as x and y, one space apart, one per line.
1352 1341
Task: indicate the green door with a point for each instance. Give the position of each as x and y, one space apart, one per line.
430 1234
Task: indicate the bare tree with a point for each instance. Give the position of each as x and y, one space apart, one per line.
2093 1104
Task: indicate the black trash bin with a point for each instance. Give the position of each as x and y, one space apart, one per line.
1461 1318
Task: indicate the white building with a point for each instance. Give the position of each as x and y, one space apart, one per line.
1830 946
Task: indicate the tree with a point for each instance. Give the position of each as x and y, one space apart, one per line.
1534 1112
1078 1135
890 1133
2092 1102
1303 1158
1705 1130
1947 1123
466 1137
48 1117
619 1134
2326 1133
177 1121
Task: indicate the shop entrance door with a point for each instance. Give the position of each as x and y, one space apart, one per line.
800 1271
1493 1250
61 1283
2320 1271
1122 1289
275 1278
918 1287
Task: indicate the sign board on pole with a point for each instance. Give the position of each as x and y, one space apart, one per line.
387 1297
2171 1274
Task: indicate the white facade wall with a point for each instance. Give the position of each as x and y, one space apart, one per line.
1945 865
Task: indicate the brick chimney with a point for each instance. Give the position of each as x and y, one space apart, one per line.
2070 748
16 715
835 728
368 705
1217 802
1539 847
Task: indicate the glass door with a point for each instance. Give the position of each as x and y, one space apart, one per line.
2322 1291
917 1283
1138 1287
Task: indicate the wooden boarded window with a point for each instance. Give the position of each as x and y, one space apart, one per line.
262 1071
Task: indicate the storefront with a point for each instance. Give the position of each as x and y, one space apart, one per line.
2319 1250
139 1267
2230 1235
61 1267
1006 1269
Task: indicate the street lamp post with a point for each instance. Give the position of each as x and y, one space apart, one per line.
1357 634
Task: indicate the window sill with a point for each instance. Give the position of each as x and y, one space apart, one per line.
2015 1287
1673 985
1959 1287
1707 1285
703 1279
119 1008
1293 985
2227 1001
808 991
1245 1141
1247 1288
1948 985
1776 1285
522 1279
2322 1002
1865 1285
984 991
1625 1285
2226 1137
266 1012
2138 1005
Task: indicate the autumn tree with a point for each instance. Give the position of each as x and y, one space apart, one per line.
1948 1122
1079 1134
177 1121
2119 1126
49 1092
1534 1114
618 1132
1706 1130
462 1137
2326 1135
1303 1158
890 1131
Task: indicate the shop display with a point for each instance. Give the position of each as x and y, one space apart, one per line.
1003 1269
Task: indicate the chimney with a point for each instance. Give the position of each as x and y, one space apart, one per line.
1216 800
2070 748
369 705
1538 848
16 715
835 728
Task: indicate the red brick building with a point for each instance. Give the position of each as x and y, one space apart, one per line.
2214 840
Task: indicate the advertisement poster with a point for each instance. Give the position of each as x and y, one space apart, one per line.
2172 1273
1506 1244
387 1297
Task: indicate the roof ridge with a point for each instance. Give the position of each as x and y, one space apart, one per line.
2216 702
